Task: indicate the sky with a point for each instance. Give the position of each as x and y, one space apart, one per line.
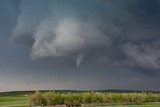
79 45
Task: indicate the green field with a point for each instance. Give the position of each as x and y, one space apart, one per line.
21 99
14 101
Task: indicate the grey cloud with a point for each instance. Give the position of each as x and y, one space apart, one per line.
60 28
143 55
67 37
113 33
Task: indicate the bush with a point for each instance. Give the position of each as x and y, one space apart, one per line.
53 98
37 99
75 99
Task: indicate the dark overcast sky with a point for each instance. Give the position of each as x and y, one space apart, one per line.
79 44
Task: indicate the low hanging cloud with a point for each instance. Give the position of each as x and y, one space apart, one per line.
117 33
67 37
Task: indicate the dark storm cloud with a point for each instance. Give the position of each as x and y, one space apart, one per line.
79 44
75 28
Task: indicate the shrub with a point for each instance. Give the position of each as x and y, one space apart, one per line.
75 99
37 99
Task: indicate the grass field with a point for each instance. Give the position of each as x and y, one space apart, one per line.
14 101
21 100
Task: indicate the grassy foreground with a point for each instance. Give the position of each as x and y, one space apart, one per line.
22 99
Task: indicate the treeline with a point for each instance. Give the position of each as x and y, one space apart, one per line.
76 99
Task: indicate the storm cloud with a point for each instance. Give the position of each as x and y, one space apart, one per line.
93 37
67 28
72 28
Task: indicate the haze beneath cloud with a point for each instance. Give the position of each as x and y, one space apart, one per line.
79 44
